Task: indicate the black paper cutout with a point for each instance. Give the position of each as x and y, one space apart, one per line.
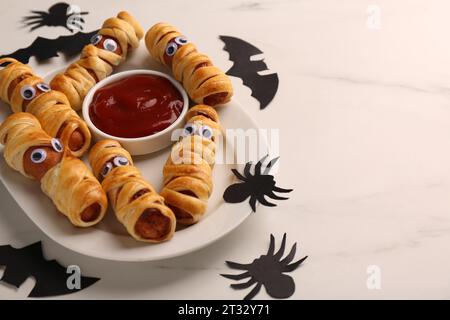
264 87
43 48
268 271
57 16
29 261
255 186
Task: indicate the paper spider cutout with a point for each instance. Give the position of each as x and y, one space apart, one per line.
59 15
268 271
255 186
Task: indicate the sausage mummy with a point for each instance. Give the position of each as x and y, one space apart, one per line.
64 178
26 92
108 49
204 82
188 170
136 203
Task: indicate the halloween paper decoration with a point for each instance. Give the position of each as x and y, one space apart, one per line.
255 186
51 277
264 87
43 48
59 15
268 271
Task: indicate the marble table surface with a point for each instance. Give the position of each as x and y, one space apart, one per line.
364 116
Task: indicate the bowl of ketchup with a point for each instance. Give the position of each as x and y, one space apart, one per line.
139 108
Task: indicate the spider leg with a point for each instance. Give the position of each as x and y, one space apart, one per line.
37 26
265 202
290 256
253 203
43 13
30 23
270 165
280 251
239 266
254 292
278 189
244 285
236 276
272 195
84 13
238 175
259 165
247 169
271 246
35 17
294 265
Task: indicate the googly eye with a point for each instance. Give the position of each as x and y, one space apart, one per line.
189 129
106 169
110 45
96 39
181 41
120 161
38 156
171 49
43 87
28 92
206 132
57 145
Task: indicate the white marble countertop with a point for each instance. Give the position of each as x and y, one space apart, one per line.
364 114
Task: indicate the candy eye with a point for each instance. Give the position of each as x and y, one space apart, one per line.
28 92
181 40
206 132
96 39
171 49
57 145
38 156
110 45
107 169
43 87
120 161
189 129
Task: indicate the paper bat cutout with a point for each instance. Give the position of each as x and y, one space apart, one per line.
60 14
269 271
51 277
264 87
43 48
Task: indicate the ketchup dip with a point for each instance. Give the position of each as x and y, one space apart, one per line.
136 106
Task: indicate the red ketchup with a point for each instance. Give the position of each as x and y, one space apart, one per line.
136 106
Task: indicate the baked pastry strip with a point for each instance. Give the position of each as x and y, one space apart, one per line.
205 83
66 180
188 170
108 49
26 92
134 200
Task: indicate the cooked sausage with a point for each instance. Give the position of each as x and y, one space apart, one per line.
38 170
152 224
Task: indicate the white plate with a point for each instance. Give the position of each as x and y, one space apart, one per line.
109 240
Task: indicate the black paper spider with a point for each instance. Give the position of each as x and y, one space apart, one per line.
58 15
254 186
268 271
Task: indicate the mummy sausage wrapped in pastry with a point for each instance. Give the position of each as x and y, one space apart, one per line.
205 83
108 49
188 170
26 92
64 178
136 203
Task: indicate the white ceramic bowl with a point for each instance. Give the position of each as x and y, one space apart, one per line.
141 145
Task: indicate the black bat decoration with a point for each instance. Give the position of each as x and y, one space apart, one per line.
264 87
255 186
51 277
43 48
268 271
58 15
